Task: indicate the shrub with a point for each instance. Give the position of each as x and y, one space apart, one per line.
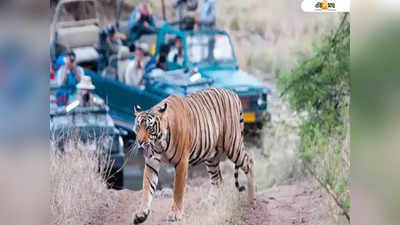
320 87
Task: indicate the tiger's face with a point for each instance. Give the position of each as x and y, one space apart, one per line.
148 129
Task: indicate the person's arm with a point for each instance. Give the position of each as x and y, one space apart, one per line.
121 36
134 18
115 46
62 77
78 72
176 3
209 13
152 22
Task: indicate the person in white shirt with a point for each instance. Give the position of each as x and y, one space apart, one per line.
135 69
175 55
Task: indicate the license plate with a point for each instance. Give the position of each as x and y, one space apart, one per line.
249 117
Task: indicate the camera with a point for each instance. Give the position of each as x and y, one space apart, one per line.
71 56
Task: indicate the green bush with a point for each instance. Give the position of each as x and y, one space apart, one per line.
319 88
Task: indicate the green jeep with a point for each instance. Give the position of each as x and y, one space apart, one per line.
209 61
211 53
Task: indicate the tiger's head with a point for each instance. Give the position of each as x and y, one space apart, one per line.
150 128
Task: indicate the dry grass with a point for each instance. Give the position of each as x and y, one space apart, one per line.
225 210
269 35
78 190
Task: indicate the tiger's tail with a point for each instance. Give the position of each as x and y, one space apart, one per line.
236 174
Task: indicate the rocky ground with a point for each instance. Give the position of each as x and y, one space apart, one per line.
283 205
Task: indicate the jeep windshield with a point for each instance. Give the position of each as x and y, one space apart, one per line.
209 48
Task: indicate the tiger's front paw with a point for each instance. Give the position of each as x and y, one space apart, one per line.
173 217
141 216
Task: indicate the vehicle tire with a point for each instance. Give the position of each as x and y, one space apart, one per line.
260 125
117 180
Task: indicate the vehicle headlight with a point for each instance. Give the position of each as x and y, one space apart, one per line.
107 143
261 100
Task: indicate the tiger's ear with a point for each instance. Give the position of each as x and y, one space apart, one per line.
163 108
137 109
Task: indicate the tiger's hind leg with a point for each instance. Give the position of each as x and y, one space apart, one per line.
214 172
244 160
251 182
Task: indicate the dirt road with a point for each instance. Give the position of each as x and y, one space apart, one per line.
283 205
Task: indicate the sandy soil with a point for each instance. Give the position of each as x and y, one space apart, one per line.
283 205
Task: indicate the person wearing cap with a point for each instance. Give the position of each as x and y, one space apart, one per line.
113 40
183 7
108 47
135 69
141 22
68 77
207 15
102 60
85 95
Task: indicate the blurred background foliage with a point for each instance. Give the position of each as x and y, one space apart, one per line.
318 89
375 110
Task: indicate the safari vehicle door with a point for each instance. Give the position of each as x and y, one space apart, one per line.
121 98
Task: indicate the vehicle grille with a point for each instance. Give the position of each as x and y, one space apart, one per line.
249 102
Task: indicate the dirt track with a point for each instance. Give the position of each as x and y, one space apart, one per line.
283 205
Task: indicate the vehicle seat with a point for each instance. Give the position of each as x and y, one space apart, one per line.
81 40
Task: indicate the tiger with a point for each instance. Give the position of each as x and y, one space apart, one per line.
187 131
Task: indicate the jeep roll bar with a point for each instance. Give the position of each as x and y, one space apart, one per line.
56 24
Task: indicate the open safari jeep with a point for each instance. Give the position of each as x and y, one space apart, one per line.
211 53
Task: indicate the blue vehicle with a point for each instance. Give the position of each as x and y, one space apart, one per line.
211 53
208 61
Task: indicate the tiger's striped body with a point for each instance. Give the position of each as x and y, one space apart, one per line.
199 128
